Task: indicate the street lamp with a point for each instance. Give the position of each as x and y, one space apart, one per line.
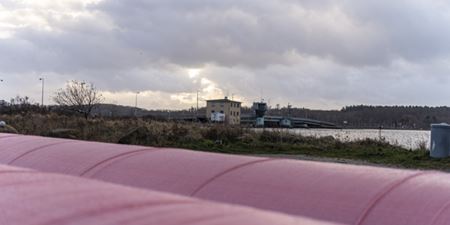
136 100
197 98
42 96
1 80
136 104
196 110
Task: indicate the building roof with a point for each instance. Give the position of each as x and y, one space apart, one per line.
222 100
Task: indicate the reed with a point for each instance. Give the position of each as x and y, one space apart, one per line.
225 139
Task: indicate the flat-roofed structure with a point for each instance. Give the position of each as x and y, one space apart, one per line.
224 110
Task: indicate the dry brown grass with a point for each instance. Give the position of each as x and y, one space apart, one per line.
112 130
219 138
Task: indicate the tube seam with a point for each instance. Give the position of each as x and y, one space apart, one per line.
234 168
37 149
118 156
381 195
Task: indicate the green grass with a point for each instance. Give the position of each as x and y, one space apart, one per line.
362 151
222 139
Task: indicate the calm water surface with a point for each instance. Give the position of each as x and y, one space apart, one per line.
410 139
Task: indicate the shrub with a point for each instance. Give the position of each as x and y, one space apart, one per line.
223 133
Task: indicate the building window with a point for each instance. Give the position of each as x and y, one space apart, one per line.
221 111
213 111
221 106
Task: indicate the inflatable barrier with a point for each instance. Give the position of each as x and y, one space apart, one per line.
34 198
337 193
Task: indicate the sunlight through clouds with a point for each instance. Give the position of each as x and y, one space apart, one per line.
310 54
194 73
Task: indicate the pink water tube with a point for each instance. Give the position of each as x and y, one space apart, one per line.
336 193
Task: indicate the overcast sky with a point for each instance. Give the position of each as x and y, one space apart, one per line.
311 53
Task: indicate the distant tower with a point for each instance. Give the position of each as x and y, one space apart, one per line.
260 109
289 110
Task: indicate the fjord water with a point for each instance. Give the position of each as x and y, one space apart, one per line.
410 139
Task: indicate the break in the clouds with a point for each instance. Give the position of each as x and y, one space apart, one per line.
320 54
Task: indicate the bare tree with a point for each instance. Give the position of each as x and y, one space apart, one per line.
78 96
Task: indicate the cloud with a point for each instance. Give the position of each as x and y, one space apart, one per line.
240 33
320 83
323 54
251 33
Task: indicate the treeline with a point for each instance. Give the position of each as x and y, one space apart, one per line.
374 117
22 105
358 116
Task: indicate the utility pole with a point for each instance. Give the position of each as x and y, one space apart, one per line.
42 96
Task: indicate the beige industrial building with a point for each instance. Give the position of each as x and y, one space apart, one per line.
224 111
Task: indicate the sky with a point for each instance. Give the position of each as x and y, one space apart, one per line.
321 54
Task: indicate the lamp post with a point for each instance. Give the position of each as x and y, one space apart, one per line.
196 111
136 104
42 96
1 100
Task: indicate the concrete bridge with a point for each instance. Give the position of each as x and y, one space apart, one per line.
293 122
